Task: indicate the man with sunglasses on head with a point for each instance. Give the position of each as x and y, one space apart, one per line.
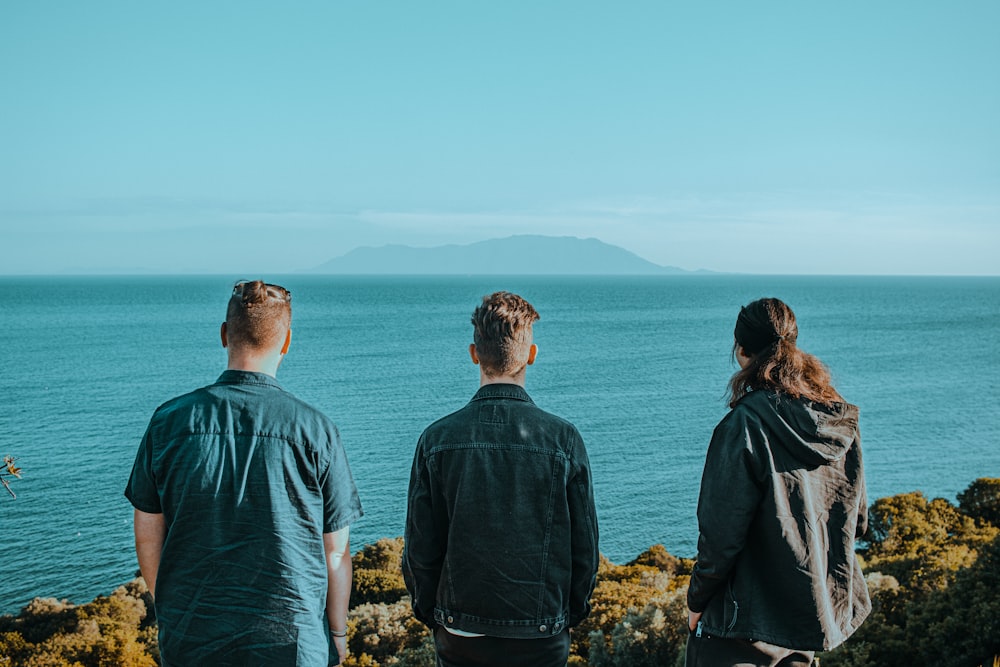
243 503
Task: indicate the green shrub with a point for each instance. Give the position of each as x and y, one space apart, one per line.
378 576
982 500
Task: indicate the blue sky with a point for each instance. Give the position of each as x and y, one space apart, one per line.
250 137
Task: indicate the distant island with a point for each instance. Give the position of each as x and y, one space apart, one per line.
525 254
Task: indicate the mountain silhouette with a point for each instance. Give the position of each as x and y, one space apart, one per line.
515 255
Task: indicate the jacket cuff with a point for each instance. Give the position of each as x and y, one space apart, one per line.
695 602
425 619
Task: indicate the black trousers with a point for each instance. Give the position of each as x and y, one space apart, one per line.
708 651
455 651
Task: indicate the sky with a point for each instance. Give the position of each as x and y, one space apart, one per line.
264 137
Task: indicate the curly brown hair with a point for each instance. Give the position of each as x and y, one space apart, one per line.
767 331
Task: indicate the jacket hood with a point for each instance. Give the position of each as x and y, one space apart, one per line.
813 433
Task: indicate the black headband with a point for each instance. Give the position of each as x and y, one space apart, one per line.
753 334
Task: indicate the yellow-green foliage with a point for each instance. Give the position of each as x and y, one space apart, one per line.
108 632
923 543
981 500
933 570
381 628
648 637
934 574
386 634
628 588
378 575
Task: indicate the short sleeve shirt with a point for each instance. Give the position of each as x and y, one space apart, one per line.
248 478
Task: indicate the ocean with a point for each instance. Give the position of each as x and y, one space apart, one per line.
639 364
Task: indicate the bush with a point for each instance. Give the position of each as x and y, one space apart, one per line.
923 543
982 500
378 575
108 632
658 557
382 632
932 570
653 636
621 589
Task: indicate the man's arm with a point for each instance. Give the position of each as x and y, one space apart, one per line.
150 531
337 546
425 542
584 536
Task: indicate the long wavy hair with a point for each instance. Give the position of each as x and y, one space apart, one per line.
767 331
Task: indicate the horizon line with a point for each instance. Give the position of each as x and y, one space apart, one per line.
696 273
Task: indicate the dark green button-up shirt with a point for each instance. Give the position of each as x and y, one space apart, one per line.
248 479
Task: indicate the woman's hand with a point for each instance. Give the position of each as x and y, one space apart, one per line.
693 618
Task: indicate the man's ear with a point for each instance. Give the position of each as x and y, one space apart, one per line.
473 353
288 341
224 335
532 353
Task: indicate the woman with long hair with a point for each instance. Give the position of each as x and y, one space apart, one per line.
782 502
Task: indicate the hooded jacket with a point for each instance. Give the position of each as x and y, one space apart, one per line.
782 502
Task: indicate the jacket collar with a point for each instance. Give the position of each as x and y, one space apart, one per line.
511 391
247 377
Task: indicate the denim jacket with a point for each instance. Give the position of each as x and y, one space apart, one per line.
501 532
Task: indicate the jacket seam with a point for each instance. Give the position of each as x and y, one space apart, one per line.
272 436
543 580
504 446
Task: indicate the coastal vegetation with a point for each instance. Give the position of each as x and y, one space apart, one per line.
933 568
8 470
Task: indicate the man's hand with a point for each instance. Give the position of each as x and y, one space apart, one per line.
693 618
341 644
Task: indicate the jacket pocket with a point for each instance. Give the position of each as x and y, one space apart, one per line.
731 608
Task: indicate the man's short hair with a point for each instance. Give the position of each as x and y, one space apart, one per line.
502 333
258 315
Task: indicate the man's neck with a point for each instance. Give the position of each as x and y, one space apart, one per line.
517 379
267 365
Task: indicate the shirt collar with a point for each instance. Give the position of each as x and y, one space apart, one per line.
247 377
512 391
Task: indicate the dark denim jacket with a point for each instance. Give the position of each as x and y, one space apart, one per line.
501 532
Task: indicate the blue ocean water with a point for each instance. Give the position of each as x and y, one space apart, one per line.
640 364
